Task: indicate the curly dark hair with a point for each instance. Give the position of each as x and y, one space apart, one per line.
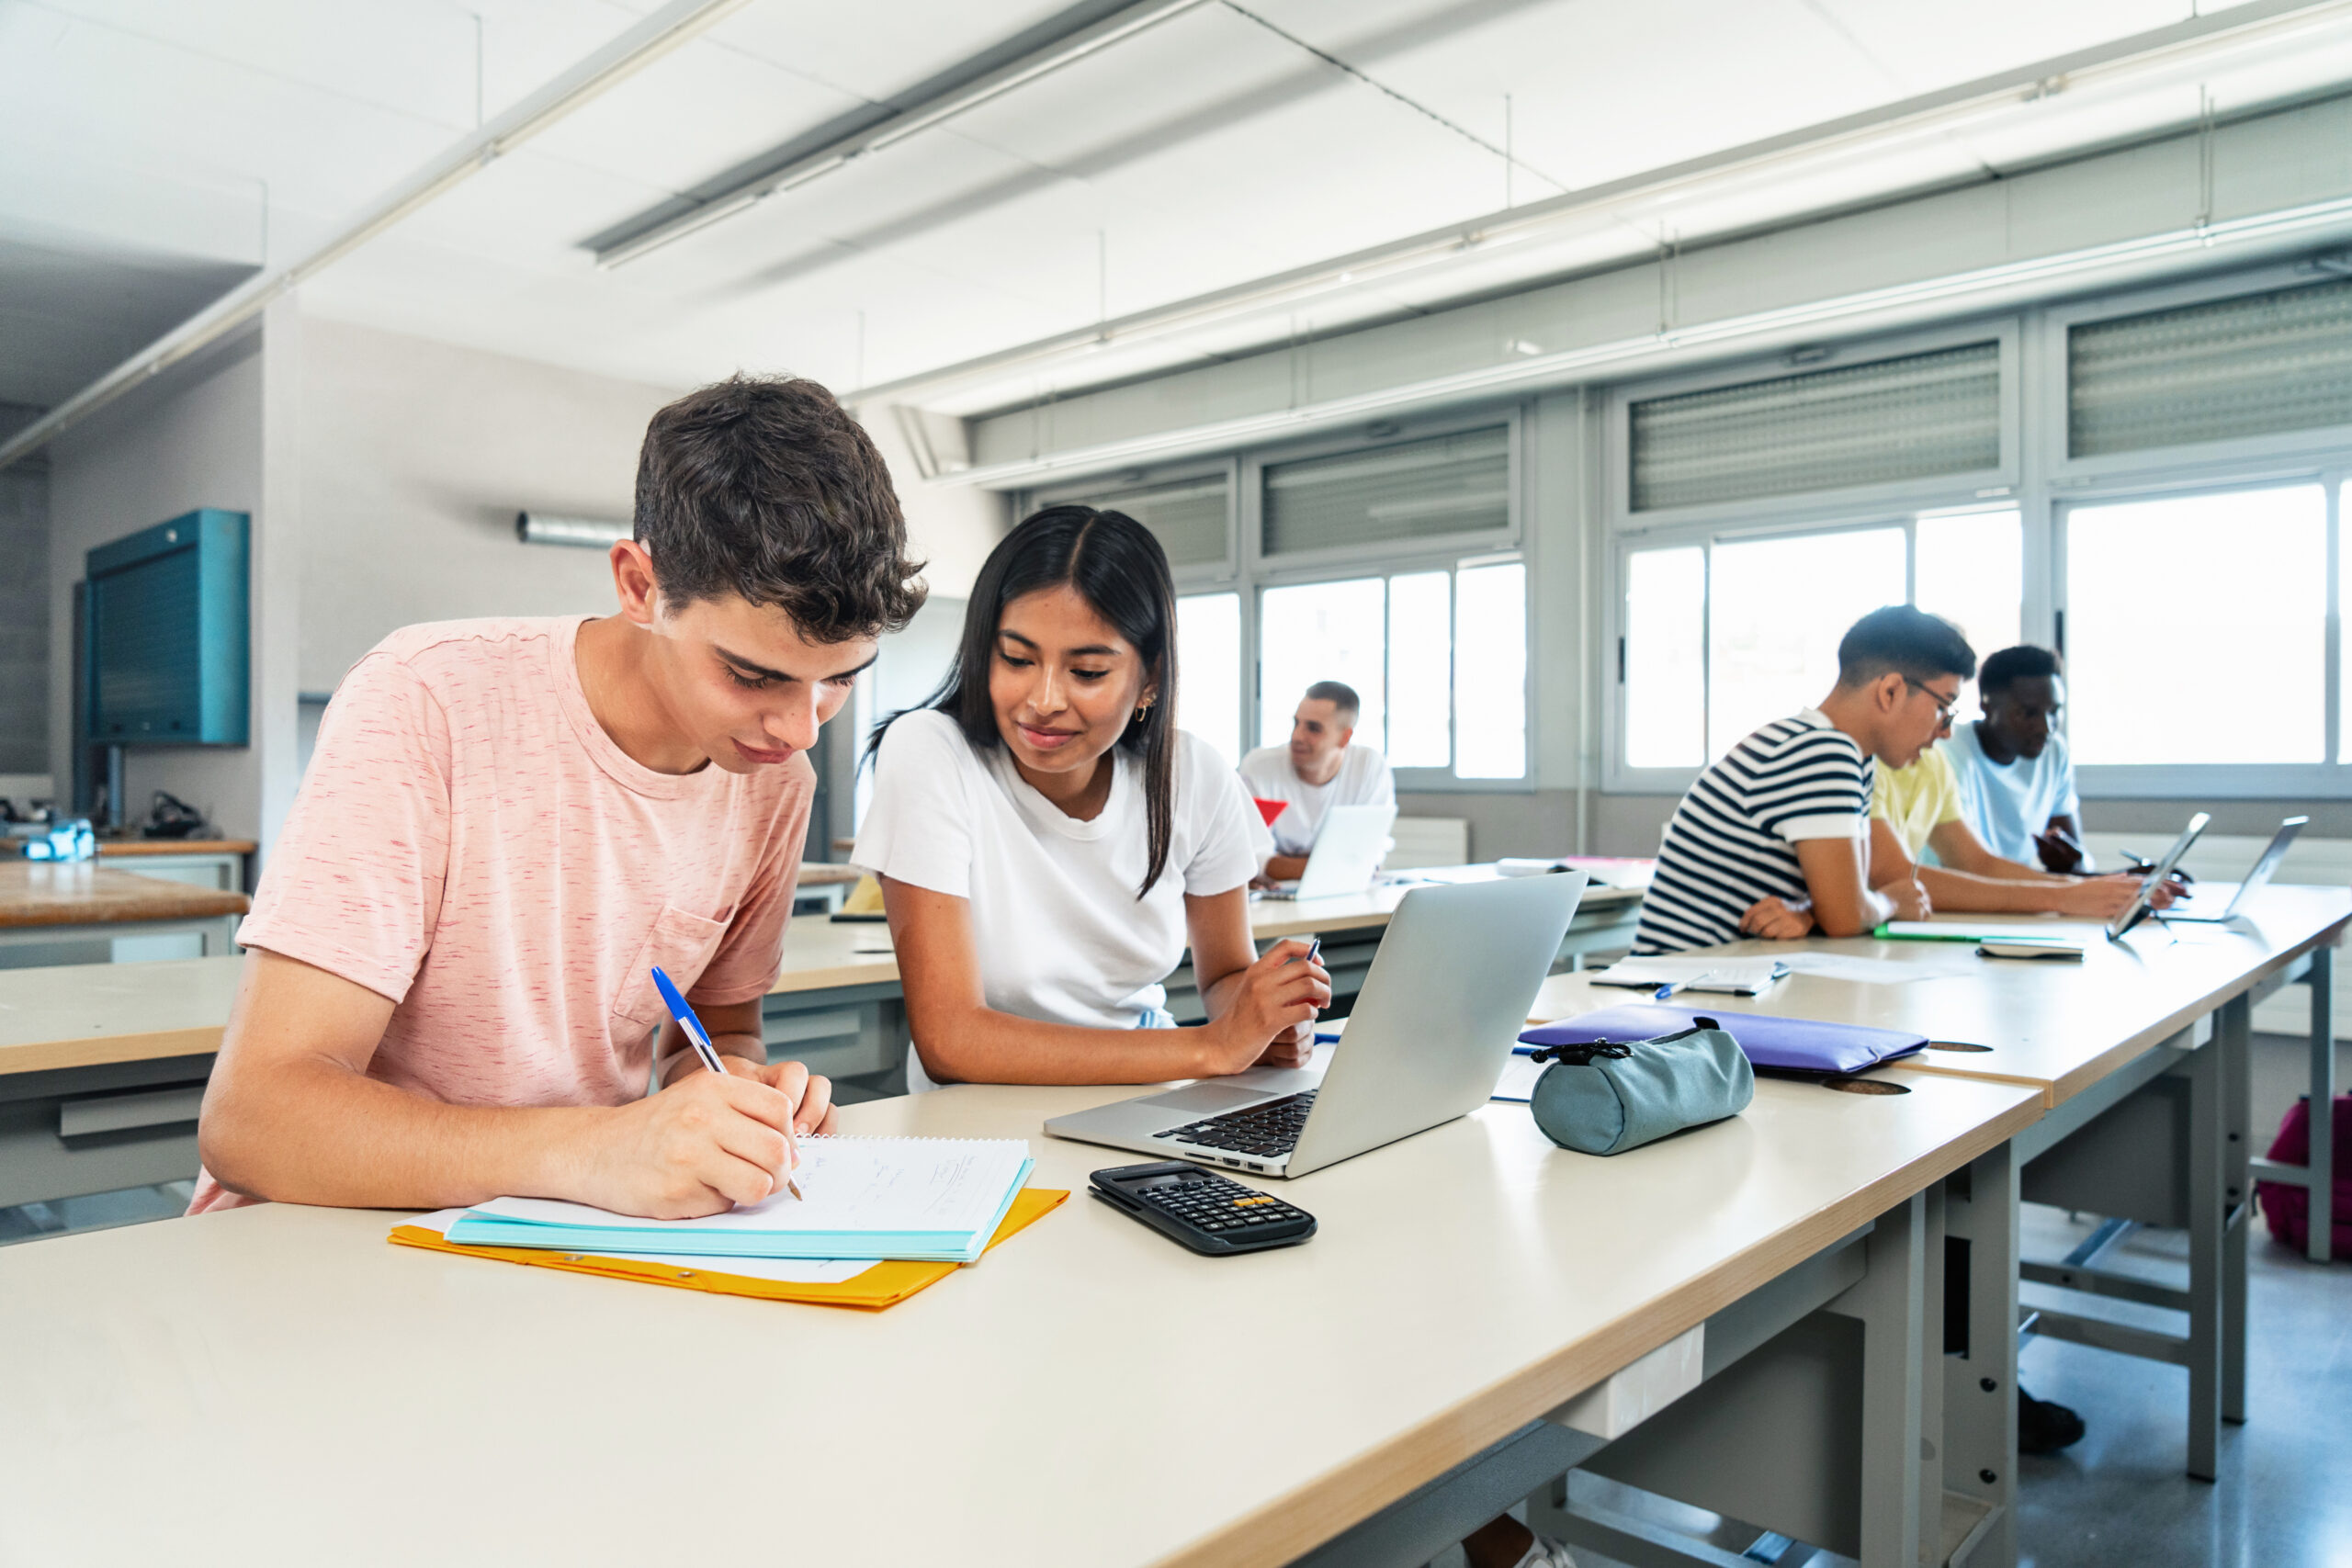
765 487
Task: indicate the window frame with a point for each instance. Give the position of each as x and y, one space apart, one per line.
1936 492
1619 778
2192 463
1448 553
2330 779
1196 579
1249 570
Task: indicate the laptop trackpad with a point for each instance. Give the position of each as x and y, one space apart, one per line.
1205 1098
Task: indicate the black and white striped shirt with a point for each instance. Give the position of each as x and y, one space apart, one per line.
1733 839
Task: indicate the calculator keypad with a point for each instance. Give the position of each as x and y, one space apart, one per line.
1221 1207
1208 1213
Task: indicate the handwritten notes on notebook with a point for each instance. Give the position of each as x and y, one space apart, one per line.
924 1199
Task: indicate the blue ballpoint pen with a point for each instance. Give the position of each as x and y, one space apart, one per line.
699 1038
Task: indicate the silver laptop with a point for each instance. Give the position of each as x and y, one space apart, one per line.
2140 909
2256 880
1431 1030
1347 851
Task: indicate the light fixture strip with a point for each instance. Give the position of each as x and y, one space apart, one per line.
1570 365
917 118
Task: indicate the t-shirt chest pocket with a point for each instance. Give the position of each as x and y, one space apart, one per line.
681 943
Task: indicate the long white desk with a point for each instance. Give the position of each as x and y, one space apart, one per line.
2140 1055
842 1009
279 1385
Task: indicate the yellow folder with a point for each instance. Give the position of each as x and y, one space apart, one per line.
884 1285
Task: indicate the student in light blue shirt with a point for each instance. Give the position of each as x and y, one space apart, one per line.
2016 783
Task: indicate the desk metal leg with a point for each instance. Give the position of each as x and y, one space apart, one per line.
2320 1167
2233 1045
2216 1350
1892 1301
1980 1422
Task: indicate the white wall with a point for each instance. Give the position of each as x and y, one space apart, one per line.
952 527
415 456
193 437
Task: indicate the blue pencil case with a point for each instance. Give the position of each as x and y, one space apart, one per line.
1775 1044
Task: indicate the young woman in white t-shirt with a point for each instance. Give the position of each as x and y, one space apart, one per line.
1049 843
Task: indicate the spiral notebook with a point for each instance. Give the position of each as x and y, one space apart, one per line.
922 1200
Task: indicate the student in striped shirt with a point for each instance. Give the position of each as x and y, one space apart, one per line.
1773 840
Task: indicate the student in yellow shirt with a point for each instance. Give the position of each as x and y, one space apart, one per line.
1918 807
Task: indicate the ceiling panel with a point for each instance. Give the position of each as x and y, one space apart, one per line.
1205 153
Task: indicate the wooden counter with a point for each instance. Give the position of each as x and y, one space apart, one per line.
80 893
85 1015
110 849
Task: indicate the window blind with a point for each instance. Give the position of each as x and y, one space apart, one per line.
1910 418
1187 516
1414 490
2253 366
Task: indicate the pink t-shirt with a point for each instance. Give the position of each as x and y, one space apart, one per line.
471 843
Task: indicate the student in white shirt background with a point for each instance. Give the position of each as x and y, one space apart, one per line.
2017 782
1322 767
1048 842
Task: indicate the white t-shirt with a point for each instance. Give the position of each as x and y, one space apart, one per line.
1363 779
2008 803
1061 935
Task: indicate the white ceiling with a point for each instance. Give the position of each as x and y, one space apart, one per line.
182 145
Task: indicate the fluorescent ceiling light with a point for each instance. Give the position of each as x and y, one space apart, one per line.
915 118
593 533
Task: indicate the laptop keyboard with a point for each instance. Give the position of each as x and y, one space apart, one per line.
1270 1127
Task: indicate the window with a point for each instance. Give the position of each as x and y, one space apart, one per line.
1665 667
1208 671
2220 370
1969 569
1915 416
1190 517
1420 637
1722 635
1490 670
1438 660
1776 610
1323 631
1386 495
2240 677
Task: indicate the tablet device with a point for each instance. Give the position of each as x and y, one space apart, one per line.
2140 909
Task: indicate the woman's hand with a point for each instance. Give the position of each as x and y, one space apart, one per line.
1276 997
1293 1047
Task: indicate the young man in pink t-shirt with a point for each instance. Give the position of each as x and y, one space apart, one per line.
449 995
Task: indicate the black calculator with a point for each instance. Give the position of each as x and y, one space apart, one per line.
1208 1213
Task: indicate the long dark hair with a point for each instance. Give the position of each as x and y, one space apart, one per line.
1120 571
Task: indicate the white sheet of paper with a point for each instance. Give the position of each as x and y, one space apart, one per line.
849 1184
1879 971
1700 973
1518 1081
783 1270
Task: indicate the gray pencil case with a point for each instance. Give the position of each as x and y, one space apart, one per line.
1605 1096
